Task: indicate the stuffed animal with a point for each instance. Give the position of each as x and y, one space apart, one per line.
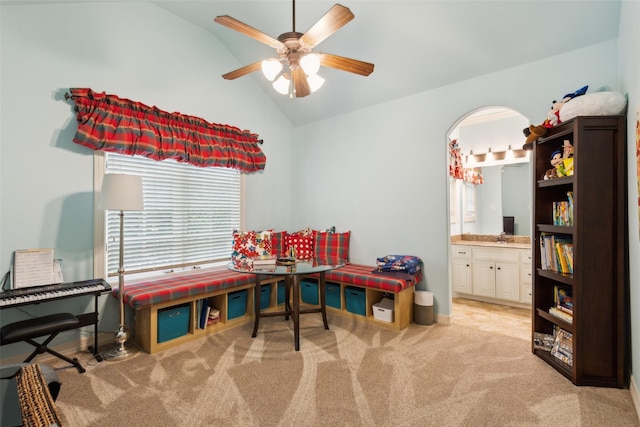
578 103
562 162
553 117
532 133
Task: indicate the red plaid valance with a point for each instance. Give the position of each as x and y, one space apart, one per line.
109 123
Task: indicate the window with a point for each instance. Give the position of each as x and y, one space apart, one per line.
189 216
469 202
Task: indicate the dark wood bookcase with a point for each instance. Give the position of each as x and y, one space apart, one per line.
599 282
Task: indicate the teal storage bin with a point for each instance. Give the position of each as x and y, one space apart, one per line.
265 296
355 300
332 292
173 322
237 302
281 292
309 291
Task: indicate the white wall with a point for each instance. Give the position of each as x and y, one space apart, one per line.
134 50
630 84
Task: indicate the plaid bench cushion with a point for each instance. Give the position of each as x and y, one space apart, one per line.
362 275
148 293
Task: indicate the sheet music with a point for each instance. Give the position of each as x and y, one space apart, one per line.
33 267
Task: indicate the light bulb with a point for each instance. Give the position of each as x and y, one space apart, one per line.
270 68
315 82
310 63
281 85
509 154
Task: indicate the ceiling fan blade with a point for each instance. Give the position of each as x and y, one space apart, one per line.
345 64
331 22
248 30
232 75
301 85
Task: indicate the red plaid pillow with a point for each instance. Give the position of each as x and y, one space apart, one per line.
332 248
303 245
278 244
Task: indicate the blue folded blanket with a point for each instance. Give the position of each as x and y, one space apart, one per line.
404 263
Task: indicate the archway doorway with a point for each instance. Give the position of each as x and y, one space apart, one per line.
490 185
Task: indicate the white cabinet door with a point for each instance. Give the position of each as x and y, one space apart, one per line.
484 278
526 267
507 281
461 275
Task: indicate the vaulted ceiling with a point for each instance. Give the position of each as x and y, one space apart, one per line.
415 45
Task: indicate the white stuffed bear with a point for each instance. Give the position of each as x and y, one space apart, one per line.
606 103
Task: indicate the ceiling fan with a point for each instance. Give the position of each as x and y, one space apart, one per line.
295 50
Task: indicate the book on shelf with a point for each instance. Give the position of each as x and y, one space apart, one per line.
556 253
204 313
563 211
563 298
560 314
563 346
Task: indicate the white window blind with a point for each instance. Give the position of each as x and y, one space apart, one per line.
189 215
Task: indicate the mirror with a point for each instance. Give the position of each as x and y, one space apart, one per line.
491 139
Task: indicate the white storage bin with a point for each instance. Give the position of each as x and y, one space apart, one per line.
383 310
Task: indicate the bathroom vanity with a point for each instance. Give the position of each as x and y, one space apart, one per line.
486 269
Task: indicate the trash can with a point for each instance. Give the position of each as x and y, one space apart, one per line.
423 308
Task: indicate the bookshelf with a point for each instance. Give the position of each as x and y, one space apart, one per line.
592 350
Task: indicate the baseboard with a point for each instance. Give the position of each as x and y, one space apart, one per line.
635 396
443 320
68 348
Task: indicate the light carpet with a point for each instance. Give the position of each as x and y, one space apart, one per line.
355 374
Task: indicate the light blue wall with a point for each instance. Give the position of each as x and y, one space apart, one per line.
629 41
379 172
134 50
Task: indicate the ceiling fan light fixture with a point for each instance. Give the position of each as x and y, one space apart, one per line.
271 68
315 82
310 63
281 85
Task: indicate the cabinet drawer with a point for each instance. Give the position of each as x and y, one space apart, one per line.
526 294
497 254
525 257
525 274
460 251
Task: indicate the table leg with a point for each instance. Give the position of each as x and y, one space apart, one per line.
296 310
287 297
323 300
256 321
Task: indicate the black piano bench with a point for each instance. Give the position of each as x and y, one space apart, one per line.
52 325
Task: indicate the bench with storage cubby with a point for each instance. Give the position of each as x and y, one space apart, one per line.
152 299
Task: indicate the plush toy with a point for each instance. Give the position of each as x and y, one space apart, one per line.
578 103
562 162
532 133
553 117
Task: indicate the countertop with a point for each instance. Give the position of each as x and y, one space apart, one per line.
492 244
516 242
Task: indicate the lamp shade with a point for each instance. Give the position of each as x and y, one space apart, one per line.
121 193
271 68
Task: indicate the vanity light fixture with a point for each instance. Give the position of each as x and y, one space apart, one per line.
496 157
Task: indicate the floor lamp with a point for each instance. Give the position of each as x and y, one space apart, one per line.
121 193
